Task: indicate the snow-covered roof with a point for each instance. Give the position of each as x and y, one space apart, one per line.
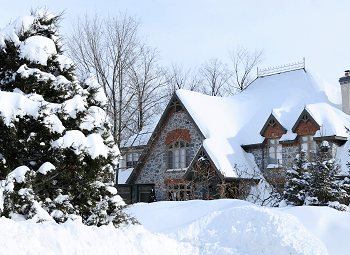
229 122
141 138
123 175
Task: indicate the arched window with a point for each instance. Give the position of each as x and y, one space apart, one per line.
178 155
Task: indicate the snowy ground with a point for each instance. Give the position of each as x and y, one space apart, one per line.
191 227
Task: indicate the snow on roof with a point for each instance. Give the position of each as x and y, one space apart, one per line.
142 137
229 122
124 175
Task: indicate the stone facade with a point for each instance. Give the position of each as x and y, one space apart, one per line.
154 171
289 150
261 159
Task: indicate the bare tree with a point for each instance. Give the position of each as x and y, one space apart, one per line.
148 81
243 63
216 77
177 77
109 48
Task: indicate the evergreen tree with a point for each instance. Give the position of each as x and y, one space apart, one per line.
324 187
297 180
61 133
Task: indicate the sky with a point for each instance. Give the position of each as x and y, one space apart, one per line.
190 32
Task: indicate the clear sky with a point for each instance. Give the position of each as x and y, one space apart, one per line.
193 31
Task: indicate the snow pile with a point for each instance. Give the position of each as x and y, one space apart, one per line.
251 230
190 227
76 238
230 227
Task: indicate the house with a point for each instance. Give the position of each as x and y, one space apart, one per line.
260 129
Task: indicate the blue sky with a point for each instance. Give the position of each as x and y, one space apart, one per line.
193 31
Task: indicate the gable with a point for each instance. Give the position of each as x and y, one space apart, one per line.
272 128
201 155
175 124
305 125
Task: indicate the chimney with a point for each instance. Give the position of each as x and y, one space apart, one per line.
345 91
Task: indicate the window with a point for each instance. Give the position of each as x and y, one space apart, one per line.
131 159
308 144
178 155
274 151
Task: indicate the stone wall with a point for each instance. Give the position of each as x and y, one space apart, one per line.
155 168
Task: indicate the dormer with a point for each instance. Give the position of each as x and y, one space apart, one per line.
305 124
272 128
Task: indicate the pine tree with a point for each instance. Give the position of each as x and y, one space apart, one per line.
324 187
297 180
66 140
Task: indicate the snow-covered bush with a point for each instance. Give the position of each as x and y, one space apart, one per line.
55 127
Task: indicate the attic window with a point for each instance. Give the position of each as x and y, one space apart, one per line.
177 105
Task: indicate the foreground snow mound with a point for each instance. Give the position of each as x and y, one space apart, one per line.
75 238
251 230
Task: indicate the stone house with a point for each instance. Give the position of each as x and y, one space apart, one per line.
260 129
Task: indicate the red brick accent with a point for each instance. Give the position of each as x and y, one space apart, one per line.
273 132
178 134
306 128
174 181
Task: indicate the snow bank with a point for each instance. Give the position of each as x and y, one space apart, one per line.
332 227
75 238
230 227
190 227
251 230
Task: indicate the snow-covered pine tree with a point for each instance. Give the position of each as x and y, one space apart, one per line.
324 187
297 180
55 126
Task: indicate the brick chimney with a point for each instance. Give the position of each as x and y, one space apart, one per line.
345 91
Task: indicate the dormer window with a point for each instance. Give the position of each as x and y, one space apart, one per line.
178 155
274 150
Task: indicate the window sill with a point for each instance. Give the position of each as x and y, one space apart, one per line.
273 166
179 170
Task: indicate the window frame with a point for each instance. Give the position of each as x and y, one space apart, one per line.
309 152
134 159
276 147
177 155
